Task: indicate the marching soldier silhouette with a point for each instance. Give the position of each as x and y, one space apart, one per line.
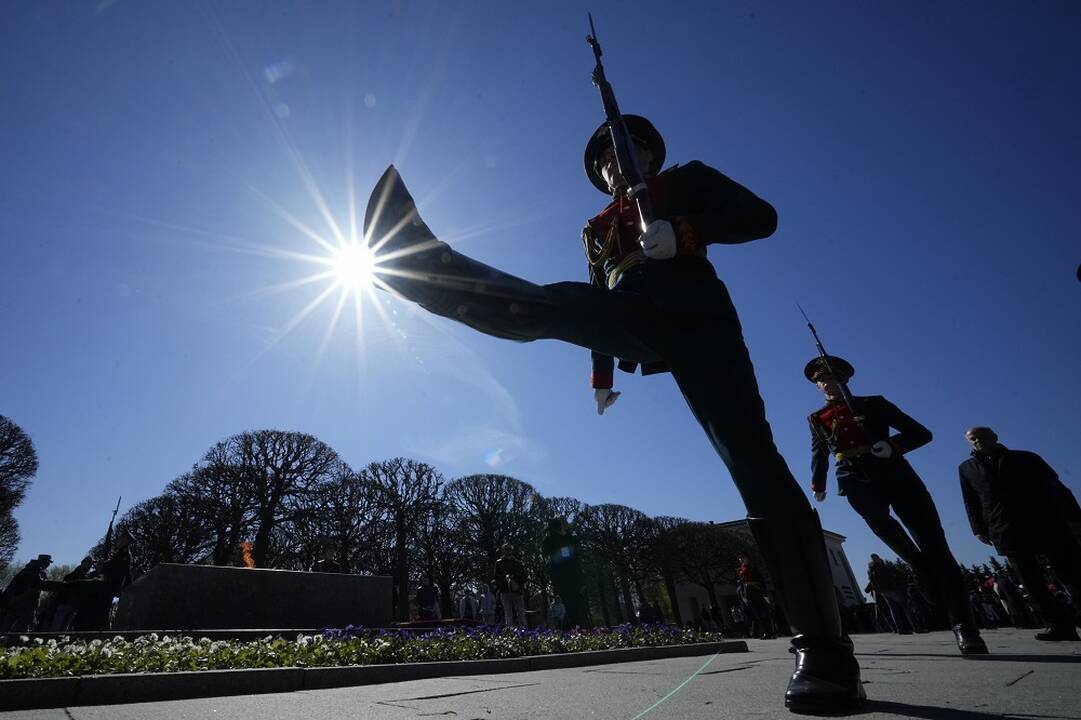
874 477
653 300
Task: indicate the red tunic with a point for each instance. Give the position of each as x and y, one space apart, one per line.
841 430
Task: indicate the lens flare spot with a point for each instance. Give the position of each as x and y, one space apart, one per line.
354 266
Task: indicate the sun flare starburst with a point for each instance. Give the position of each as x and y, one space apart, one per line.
354 266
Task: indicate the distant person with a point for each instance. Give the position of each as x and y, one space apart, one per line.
20 601
1012 602
1016 502
658 613
558 611
752 594
486 602
890 584
510 579
427 598
110 577
467 606
874 476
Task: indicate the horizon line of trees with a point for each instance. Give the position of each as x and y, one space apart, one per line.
293 501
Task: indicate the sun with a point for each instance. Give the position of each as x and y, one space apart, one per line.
354 266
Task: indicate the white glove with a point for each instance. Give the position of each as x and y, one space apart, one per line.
882 449
604 397
659 240
820 496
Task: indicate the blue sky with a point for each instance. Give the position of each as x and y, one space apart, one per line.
922 158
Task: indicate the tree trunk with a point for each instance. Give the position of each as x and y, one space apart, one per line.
615 598
673 598
628 599
262 542
604 600
401 573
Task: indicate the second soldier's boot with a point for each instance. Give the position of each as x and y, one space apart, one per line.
420 267
826 678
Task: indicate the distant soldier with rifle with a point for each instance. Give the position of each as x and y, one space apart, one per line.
653 300
874 476
111 573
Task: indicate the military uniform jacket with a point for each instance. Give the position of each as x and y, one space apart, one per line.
703 205
1016 500
877 415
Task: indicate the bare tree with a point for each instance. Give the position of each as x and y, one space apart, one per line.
279 468
336 521
9 539
165 529
405 493
18 463
707 554
618 534
492 510
665 554
564 507
219 497
442 553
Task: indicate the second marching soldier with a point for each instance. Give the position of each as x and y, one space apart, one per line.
875 478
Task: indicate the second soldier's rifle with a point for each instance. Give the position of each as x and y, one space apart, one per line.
626 157
845 394
108 544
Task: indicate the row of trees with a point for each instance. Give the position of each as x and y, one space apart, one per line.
294 501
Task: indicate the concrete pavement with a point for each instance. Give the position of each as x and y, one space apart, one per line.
914 676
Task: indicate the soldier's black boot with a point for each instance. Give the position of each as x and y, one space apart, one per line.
826 678
420 267
969 641
1057 633
965 631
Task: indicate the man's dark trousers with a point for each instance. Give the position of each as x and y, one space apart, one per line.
873 487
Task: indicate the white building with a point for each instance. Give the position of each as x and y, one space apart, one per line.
694 598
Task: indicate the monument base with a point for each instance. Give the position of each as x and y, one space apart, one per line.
209 597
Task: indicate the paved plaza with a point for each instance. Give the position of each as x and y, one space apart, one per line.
915 676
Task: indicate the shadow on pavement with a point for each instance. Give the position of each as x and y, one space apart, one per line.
982 658
929 712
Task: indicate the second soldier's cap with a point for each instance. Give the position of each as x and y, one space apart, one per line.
641 130
820 366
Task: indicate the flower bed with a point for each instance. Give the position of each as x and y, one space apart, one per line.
334 648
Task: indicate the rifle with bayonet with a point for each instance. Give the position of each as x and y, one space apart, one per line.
845 394
108 544
622 144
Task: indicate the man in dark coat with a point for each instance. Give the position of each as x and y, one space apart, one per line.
874 476
20 601
1016 502
653 300
510 580
889 583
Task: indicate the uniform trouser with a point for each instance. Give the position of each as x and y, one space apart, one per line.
894 484
675 311
513 609
897 602
1065 558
